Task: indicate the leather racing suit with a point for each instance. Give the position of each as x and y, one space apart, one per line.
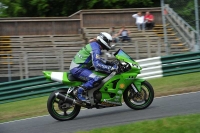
89 56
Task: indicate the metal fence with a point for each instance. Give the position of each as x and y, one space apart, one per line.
26 64
183 17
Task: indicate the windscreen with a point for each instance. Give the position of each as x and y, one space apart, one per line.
122 54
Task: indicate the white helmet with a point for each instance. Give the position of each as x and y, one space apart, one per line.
104 39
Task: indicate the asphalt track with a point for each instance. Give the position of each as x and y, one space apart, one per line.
93 118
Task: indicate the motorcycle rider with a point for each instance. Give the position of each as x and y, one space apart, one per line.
89 56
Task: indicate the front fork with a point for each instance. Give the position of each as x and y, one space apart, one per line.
136 85
132 85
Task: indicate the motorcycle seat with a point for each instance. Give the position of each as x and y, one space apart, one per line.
71 77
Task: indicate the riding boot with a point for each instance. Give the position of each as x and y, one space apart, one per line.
80 94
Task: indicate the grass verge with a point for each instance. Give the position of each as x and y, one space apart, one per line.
23 109
162 86
176 84
177 124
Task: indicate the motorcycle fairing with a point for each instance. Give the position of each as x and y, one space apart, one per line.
113 89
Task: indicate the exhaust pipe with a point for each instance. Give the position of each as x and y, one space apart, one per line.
69 100
65 98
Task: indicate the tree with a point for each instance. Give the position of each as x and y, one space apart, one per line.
2 7
185 9
51 8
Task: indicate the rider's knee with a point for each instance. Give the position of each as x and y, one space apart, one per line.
97 81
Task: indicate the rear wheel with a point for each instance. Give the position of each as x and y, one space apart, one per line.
60 110
139 100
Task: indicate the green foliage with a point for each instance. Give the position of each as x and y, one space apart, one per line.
2 8
51 8
185 9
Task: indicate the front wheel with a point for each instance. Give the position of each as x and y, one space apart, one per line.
60 110
139 100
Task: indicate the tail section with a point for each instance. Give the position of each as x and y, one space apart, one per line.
55 76
61 77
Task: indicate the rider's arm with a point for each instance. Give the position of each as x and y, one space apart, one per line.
98 63
107 62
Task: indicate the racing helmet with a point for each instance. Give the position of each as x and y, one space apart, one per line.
104 39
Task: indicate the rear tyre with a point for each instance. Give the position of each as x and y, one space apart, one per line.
60 110
140 100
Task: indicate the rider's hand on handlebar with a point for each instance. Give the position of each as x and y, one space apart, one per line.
109 63
115 68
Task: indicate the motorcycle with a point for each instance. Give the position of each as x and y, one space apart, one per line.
137 93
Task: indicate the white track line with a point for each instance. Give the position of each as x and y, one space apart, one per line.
27 118
86 109
177 94
23 119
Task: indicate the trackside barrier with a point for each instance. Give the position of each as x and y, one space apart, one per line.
27 88
170 65
152 68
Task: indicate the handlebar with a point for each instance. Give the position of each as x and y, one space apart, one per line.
121 67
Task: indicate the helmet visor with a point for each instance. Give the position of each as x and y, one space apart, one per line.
109 42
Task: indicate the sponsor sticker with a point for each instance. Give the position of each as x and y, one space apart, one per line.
119 92
117 100
122 86
117 96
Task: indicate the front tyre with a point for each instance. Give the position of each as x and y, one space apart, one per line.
60 110
140 100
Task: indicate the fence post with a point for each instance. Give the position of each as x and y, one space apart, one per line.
61 60
197 24
159 47
44 61
26 64
20 66
148 49
136 50
164 27
9 71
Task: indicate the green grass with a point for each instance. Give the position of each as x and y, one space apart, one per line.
177 124
23 109
176 84
37 106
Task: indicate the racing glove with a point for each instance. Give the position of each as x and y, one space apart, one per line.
114 68
109 63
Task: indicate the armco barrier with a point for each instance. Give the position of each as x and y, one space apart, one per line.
181 63
27 88
170 65
152 68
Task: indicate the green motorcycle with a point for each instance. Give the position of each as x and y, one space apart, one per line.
63 104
